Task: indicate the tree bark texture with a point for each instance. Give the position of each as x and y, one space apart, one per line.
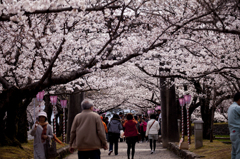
164 111
73 110
173 134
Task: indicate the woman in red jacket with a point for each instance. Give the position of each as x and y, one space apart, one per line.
131 134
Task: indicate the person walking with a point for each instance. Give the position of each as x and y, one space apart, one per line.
138 129
87 133
42 133
105 126
106 120
234 126
143 128
152 132
122 121
131 134
114 128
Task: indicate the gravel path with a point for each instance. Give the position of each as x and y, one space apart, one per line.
142 151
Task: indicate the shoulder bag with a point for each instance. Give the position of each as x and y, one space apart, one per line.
152 125
51 150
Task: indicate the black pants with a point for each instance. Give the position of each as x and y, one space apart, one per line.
131 142
143 135
95 154
154 144
159 132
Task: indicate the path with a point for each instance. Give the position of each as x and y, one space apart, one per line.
142 151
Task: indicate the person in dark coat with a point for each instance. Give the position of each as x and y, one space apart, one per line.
114 127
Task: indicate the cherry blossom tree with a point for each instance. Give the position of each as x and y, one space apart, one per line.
51 43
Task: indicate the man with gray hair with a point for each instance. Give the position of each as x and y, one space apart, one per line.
87 133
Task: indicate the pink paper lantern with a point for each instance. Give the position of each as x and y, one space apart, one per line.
53 100
63 103
158 108
187 99
40 96
181 102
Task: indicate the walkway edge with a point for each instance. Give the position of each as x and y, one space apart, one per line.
185 154
63 152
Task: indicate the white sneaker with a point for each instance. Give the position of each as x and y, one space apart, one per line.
109 153
152 152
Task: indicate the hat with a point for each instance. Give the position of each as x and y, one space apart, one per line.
42 113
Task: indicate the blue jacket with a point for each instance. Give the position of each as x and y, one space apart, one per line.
234 118
114 126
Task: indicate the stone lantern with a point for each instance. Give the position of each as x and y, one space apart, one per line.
198 133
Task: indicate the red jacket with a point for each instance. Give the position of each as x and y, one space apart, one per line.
130 128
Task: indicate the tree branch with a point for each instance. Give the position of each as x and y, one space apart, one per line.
46 74
100 8
4 83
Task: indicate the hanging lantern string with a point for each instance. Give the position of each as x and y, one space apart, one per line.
63 104
182 103
54 102
187 99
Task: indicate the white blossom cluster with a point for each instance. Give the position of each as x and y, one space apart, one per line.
181 36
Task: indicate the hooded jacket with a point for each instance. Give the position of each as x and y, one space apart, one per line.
114 126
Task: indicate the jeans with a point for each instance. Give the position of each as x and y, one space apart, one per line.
114 140
235 139
94 154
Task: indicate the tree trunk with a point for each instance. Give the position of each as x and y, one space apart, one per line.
164 111
173 135
14 101
3 109
22 135
73 110
206 117
22 123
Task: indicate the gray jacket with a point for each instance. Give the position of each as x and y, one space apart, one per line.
39 152
114 126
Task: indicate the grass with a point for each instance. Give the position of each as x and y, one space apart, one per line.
222 135
227 136
10 152
212 150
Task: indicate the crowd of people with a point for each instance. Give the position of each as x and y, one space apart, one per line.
90 132
135 129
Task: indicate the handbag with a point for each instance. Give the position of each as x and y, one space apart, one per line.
51 150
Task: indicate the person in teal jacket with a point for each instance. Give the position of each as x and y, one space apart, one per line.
234 126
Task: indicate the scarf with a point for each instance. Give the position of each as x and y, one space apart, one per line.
44 132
